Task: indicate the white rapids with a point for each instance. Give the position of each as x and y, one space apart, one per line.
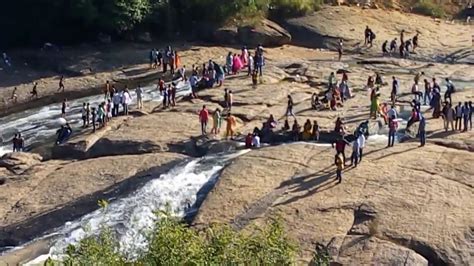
132 217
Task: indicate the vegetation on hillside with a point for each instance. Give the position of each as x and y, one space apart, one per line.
429 8
175 243
69 21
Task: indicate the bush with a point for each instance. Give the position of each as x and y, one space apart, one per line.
174 243
293 8
428 8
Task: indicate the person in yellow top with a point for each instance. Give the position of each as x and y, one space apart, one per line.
230 126
339 167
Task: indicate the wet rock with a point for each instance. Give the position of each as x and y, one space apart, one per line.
19 162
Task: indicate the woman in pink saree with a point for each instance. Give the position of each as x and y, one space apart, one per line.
237 64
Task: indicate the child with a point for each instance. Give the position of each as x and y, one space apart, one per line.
339 167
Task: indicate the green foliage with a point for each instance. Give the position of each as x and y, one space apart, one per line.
174 243
429 8
320 256
294 8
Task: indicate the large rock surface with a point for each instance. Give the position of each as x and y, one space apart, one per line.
401 205
19 162
60 191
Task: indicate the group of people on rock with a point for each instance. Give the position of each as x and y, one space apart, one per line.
18 143
253 63
217 117
404 49
167 58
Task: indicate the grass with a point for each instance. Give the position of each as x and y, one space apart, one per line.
429 8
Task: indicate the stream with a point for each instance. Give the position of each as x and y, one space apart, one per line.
40 124
180 191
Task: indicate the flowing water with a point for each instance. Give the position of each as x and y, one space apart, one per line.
40 124
181 191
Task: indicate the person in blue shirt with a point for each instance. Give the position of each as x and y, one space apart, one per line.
422 131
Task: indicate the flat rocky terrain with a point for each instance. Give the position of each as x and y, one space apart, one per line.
404 205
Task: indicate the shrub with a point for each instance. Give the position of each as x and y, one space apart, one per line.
293 8
174 243
428 8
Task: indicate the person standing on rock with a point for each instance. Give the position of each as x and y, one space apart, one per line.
204 118
415 42
63 108
315 131
392 130
217 121
339 49
367 35
450 89
84 114
466 110
384 48
471 110
106 90
229 62
34 91
94 118
340 145
250 66
231 123
193 81
427 94
393 46
422 130
361 144
395 90
230 98
458 111
116 100
448 116
355 153
339 162
61 84
139 92
289 108
259 62
126 100
402 36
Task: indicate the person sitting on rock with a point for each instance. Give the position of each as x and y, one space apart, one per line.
295 131
256 141
271 123
248 141
307 127
315 103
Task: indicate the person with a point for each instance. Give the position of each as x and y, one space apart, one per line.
34 92
230 126
402 49
367 35
374 103
256 141
173 95
165 98
112 92
63 108
217 121
471 110
15 143
236 64
378 79
315 103
84 114
94 118
315 132
230 99
259 62
63 133
458 110
384 48
203 119
193 81
415 42
339 126
126 100
340 145
418 76
139 92
361 143
153 58
339 162
407 48
435 86
20 143
449 90
339 49
220 74
395 90
371 37
248 141
286 125
393 46
392 129
466 110
101 115
229 62
427 94
14 96
255 78
250 66
289 107
108 110
370 82
363 128
295 130
107 90
116 100
61 84
307 133
416 92
355 153
6 60
392 112
422 131
402 36
448 116
331 80
88 114
435 103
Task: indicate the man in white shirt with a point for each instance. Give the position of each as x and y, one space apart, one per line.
361 142
126 99
256 141
139 92
392 112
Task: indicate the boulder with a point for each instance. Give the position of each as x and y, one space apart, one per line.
268 33
19 162
226 35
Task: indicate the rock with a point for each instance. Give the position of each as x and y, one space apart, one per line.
19 162
144 37
227 35
268 33
372 218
